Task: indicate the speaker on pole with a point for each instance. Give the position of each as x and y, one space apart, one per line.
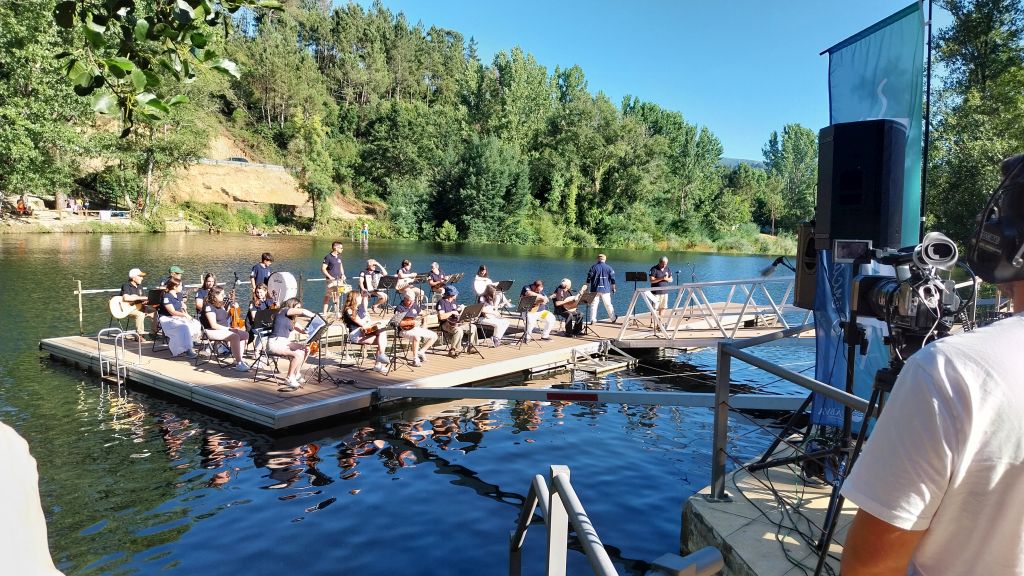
860 183
806 267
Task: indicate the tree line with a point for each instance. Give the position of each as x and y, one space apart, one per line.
442 145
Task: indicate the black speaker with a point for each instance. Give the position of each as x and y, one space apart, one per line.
860 183
806 271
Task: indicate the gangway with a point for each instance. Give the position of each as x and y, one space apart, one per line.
560 506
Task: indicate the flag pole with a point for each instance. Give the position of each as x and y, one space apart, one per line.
927 120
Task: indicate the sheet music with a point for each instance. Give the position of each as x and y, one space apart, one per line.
314 325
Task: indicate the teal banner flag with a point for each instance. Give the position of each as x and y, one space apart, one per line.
877 73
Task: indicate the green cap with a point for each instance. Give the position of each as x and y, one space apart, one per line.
175 270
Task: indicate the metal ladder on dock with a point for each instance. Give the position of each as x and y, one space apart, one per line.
560 506
608 358
120 367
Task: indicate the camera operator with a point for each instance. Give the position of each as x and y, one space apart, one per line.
940 484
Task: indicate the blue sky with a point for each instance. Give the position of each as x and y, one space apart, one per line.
740 67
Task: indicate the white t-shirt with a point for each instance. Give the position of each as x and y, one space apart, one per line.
947 454
23 545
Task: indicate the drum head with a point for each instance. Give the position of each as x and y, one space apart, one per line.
284 285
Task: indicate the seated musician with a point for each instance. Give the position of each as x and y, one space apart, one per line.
482 281
209 281
132 295
261 300
491 315
362 331
537 316
215 322
406 278
448 313
412 328
565 307
281 343
180 328
368 280
436 279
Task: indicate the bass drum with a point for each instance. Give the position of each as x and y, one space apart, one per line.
283 286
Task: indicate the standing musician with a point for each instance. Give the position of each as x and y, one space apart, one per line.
660 276
565 307
491 316
215 322
406 277
334 273
209 281
412 328
436 279
281 343
538 314
362 331
261 271
178 326
368 280
132 295
601 279
448 313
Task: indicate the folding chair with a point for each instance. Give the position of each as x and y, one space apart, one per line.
211 348
471 315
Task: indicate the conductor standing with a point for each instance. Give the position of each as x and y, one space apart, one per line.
601 279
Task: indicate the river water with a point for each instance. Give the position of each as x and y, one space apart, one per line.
133 483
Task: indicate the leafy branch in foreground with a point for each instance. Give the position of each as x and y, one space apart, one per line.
127 48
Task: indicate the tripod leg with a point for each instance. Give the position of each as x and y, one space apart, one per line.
778 439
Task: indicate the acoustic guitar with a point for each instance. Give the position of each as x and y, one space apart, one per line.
120 309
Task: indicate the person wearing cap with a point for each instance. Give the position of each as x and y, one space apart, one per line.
261 271
601 280
409 309
448 313
132 295
173 273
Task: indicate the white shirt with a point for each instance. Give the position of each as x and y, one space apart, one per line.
23 545
947 454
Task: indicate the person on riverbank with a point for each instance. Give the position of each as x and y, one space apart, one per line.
132 295
209 281
601 280
368 280
281 344
940 484
364 234
491 315
362 331
660 276
215 322
537 316
180 328
407 310
262 270
334 273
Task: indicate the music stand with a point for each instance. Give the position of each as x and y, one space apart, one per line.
319 328
155 297
471 314
635 277
394 323
587 299
387 284
526 303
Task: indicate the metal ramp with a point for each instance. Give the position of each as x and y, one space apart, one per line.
608 358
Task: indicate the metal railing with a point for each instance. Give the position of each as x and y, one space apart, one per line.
691 307
239 163
723 402
559 505
120 367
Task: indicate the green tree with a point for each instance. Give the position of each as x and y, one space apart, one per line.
315 168
792 157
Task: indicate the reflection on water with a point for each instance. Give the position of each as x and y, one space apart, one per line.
135 484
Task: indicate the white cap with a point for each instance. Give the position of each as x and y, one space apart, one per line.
135 272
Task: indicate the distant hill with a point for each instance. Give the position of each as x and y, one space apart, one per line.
734 162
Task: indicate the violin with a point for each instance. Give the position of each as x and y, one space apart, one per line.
234 310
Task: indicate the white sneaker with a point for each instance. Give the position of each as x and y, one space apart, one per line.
242 367
422 357
381 367
292 383
416 361
495 342
383 359
191 354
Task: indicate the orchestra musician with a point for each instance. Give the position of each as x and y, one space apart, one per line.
132 295
482 281
180 328
262 270
448 314
601 279
281 344
660 276
173 273
537 316
334 273
209 281
491 316
412 328
368 280
362 331
436 279
215 322
406 278
565 307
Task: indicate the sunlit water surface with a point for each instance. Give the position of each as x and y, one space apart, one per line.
136 484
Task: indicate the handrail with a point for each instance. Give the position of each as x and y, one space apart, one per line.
692 303
560 506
